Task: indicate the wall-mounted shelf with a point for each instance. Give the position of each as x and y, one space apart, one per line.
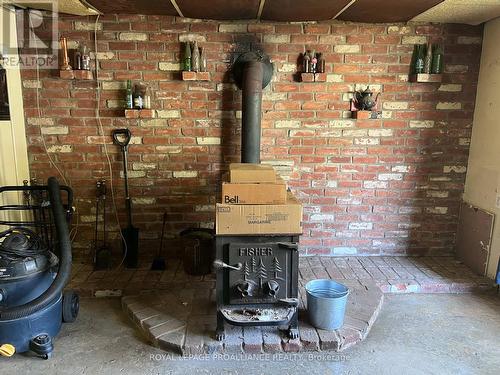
139 113
366 115
313 77
195 76
76 74
424 77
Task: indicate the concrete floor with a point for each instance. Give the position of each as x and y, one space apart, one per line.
414 334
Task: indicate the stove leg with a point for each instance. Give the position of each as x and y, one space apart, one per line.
293 328
220 333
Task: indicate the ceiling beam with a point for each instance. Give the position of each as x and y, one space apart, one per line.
174 3
344 9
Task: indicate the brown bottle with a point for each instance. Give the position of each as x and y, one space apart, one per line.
306 63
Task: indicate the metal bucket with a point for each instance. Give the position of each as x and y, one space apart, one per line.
326 302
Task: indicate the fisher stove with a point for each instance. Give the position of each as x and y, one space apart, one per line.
257 274
257 281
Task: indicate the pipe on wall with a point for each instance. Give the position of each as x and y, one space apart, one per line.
253 74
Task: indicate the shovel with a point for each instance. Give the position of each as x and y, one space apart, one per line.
130 234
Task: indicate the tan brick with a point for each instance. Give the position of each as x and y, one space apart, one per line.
451 68
140 37
347 48
60 148
355 132
185 174
55 130
114 85
133 174
437 194
341 124
414 39
192 38
143 166
454 168
87 26
450 87
40 121
395 105
32 84
287 124
334 78
287 68
168 113
143 201
421 124
380 132
169 66
436 210
398 30
276 38
208 140
448 105
169 149
233 28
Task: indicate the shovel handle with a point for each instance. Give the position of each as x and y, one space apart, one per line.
121 137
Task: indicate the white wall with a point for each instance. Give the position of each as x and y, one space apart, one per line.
483 174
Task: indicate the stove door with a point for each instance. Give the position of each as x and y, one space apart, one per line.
265 273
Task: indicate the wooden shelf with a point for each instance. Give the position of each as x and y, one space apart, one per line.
195 76
76 74
139 113
313 77
423 77
366 115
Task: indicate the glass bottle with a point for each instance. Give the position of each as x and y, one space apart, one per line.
78 58
321 63
428 59
203 60
139 96
314 62
437 60
187 57
129 100
306 62
419 60
195 57
85 56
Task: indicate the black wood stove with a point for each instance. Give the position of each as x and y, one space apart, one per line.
257 274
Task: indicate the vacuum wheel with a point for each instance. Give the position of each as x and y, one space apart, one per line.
70 306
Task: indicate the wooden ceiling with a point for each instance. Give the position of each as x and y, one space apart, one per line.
372 11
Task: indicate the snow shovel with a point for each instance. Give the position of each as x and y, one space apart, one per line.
121 137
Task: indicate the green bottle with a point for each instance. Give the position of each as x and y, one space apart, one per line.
437 60
419 61
129 100
187 57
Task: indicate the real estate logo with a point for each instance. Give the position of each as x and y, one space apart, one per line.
29 34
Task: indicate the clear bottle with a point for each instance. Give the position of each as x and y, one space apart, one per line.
428 59
85 56
195 57
203 60
129 99
419 60
437 60
147 98
306 63
314 62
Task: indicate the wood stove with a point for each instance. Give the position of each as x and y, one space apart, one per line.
257 274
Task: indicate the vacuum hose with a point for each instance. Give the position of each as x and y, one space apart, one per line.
63 273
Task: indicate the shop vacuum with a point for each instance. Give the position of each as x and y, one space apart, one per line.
35 266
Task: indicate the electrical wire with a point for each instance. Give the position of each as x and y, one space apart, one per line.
104 142
74 230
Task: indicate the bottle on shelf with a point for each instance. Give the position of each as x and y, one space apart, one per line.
320 63
428 59
419 60
314 62
187 57
129 99
84 56
78 58
195 57
203 60
306 62
139 92
437 60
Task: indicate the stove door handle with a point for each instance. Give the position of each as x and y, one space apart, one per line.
289 245
219 264
290 302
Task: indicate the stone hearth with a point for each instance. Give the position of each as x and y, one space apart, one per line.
183 321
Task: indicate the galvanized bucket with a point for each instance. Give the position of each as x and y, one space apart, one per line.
326 302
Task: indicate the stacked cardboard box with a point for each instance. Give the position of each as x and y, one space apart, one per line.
255 201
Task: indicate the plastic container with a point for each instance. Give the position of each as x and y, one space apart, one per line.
198 244
326 303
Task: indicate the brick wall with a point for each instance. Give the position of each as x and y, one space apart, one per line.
389 186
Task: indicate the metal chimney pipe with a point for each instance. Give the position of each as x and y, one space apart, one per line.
253 73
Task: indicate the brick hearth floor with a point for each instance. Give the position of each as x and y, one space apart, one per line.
390 274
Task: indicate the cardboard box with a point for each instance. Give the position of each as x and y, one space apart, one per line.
259 218
237 193
251 173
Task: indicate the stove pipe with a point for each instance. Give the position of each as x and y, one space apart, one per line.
252 72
